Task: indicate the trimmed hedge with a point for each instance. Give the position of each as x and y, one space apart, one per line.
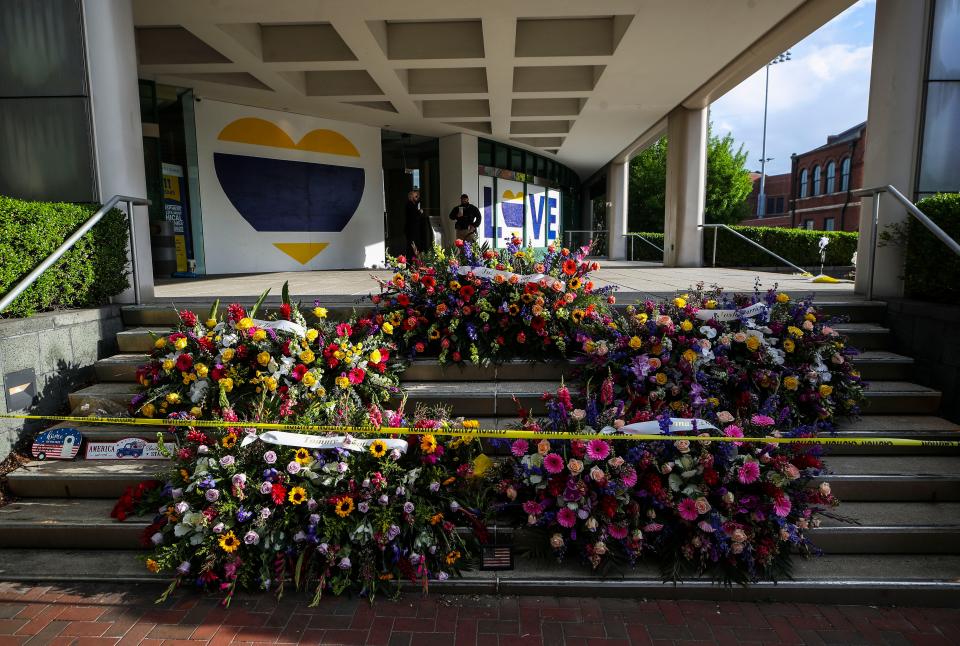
85 276
933 272
799 246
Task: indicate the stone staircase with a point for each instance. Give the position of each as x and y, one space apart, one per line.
904 546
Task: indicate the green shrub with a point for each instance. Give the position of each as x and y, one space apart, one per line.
933 271
799 246
85 276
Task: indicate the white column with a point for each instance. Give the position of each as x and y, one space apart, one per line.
618 184
118 133
893 134
458 175
686 187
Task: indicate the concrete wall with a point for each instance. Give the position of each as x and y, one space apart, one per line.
61 347
927 332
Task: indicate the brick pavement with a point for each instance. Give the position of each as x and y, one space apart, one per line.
91 614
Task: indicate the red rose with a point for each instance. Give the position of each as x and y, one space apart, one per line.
467 292
403 300
455 356
285 311
184 362
419 347
189 318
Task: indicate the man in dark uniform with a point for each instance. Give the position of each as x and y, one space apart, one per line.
413 223
466 218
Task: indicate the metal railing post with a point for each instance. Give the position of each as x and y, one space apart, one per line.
754 243
134 272
873 243
716 232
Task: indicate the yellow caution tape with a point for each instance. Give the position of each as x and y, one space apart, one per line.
510 434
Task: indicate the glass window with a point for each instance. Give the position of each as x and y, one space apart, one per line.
485 152
945 45
779 205
516 160
828 225
771 205
816 180
541 166
501 156
530 163
845 174
808 225
940 157
831 177
803 183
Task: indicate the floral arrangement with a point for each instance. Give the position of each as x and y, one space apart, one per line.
280 369
477 304
362 516
730 510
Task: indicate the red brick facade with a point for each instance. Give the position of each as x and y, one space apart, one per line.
823 205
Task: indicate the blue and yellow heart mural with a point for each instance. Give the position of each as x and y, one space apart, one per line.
512 208
287 195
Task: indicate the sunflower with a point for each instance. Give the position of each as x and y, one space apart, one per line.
428 444
434 334
344 507
574 283
378 448
303 456
576 316
297 495
514 309
229 440
229 542
526 297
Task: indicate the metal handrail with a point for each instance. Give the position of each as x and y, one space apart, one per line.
912 209
649 242
753 242
590 231
81 231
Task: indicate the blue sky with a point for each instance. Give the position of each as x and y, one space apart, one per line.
823 90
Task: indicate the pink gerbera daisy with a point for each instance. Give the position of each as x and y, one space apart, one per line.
598 450
567 517
734 431
519 448
629 477
617 531
762 420
553 463
749 472
782 505
688 509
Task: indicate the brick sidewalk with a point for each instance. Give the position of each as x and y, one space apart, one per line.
102 614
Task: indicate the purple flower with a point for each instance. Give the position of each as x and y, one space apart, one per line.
566 517
688 509
408 507
519 448
293 468
266 488
363 507
184 567
239 480
270 457
251 538
227 461
243 515
345 563
212 495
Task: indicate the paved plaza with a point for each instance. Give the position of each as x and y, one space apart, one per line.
638 279
98 614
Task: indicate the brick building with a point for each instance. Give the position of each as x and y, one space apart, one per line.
816 194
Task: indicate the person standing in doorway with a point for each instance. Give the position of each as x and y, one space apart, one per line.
413 223
466 219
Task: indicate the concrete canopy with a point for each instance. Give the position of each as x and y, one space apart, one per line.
581 80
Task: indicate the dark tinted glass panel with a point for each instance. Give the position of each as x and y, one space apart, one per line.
42 48
501 156
945 47
940 159
485 153
516 160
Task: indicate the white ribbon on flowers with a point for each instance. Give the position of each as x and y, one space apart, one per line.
282 326
486 272
676 424
321 442
730 315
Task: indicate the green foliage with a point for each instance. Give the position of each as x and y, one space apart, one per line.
933 272
85 276
799 246
728 184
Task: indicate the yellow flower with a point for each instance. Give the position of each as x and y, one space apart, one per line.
173 398
312 335
686 326
148 410
680 302
387 328
453 557
263 358
159 343
783 298
436 519
576 315
196 411
788 345
308 379
825 390
471 423
344 507
245 323
260 335
229 441
378 448
270 383
320 312
343 382
229 542
795 331
180 343
753 343
635 342
810 317
661 378
226 384
153 566
589 346
791 382
297 495
711 304
211 323
428 444
481 464
454 285
690 356
641 318
201 369
375 356
227 354
307 356
574 283
168 364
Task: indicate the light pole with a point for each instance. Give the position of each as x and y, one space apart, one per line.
762 197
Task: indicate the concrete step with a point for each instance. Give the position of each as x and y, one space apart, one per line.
879 579
119 394
916 427
865 336
67 523
882 365
516 370
120 367
165 314
891 528
139 339
81 478
855 311
486 399
900 397
893 478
